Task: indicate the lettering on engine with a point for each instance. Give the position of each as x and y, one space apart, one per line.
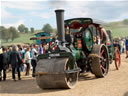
54 55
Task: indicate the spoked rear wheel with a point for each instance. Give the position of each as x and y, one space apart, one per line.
117 58
103 60
100 61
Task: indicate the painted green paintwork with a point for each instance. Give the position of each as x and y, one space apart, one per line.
76 54
88 40
59 55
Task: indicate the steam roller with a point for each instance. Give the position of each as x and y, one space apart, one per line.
57 69
56 73
76 51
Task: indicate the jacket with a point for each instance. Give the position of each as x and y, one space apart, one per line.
5 60
15 59
126 42
27 58
1 61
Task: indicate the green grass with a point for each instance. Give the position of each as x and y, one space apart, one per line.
119 31
24 38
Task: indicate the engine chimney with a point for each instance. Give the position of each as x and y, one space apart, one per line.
60 24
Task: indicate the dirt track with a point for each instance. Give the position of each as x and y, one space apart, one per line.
114 84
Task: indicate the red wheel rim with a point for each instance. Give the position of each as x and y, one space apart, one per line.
103 61
117 59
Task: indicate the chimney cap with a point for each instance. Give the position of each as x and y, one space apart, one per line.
59 10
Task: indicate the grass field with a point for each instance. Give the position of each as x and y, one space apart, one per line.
120 31
25 38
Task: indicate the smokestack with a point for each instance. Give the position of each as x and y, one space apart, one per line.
60 24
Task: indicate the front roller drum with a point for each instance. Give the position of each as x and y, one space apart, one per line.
53 73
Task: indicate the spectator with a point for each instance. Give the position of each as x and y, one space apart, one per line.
1 62
21 53
34 59
45 48
122 46
9 52
116 44
27 61
15 61
40 49
4 63
126 44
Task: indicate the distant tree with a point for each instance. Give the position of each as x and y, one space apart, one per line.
5 35
1 28
32 30
125 21
47 28
13 33
1 31
26 30
21 28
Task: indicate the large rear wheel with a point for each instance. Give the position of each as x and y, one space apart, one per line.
100 60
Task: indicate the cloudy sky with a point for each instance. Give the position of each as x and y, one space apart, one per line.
36 13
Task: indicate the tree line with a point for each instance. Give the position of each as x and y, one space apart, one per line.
8 33
23 29
46 28
12 33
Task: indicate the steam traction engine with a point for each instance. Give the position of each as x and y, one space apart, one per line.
77 51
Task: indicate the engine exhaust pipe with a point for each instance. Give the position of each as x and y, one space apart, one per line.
60 24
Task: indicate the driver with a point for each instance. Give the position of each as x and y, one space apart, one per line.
67 36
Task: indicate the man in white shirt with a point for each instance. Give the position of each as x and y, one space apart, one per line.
34 59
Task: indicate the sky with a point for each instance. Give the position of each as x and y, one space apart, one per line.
36 13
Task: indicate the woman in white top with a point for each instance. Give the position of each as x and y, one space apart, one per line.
27 60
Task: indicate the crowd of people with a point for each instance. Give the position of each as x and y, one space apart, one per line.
122 45
19 59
